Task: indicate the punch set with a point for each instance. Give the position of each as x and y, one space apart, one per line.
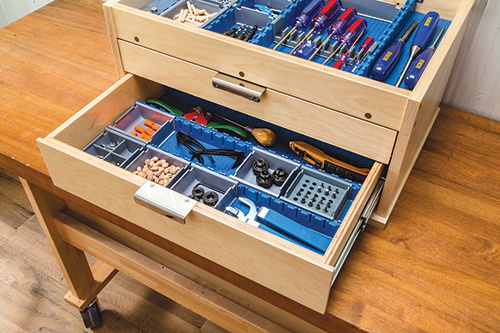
261 178
370 38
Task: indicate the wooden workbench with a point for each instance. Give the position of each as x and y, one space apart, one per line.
435 267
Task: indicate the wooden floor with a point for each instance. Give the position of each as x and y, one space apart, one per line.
32 286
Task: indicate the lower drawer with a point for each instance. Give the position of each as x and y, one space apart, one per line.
279 264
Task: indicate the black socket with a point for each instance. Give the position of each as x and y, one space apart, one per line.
197 193
259 166
279 176
264 179
210 198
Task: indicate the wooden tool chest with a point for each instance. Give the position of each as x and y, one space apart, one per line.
370 119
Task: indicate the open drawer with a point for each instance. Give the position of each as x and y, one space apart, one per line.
282 265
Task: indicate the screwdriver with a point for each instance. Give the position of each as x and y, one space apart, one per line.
350 38
388 59
264 136
418 66
305 50
359 61
421 39
324 18
337 29
363 48
302 21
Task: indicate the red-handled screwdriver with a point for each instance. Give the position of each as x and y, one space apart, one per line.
324 18
350 38
337 29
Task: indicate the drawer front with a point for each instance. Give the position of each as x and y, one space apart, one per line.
361 137
313 82
275 263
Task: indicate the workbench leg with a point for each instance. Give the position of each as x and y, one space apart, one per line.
84 283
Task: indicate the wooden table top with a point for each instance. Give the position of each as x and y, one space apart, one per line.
436 267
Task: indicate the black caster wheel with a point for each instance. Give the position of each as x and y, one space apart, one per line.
92 317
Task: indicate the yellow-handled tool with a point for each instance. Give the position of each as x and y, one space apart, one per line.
264 136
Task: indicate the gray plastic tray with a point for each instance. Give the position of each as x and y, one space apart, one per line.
245 173
311 185
123 148
136 116
210 6
195 175
152 152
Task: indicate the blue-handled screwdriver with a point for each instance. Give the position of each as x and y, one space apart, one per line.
418 66
389 58
422 37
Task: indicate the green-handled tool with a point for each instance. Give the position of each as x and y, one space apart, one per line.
229 129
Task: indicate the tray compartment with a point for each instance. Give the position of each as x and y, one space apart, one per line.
209 138
115 147
318 192
303 217
136 116
247 12
197 176
151 152
211 7
246 175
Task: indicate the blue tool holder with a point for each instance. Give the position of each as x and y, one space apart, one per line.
165 140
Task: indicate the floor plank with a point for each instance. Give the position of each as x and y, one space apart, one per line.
32 286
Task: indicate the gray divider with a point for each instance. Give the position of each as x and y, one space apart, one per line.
210 6
136 116
207 179
245 174
151 152
310 187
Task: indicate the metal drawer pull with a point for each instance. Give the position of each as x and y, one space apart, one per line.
245 89
164 201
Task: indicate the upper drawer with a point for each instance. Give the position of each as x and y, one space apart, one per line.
348 93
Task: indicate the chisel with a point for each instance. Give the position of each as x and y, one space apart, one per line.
303 20
422 37
389 58
418 66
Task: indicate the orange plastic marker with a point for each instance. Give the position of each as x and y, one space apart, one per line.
139 129
149 132
134 133
145 137
155 127
148 123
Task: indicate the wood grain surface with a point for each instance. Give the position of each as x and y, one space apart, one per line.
32 285
436 266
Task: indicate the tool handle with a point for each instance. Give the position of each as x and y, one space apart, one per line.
418 67
387 61
165 107
326 16
304 19
264 136
425 29
342 23
294 229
